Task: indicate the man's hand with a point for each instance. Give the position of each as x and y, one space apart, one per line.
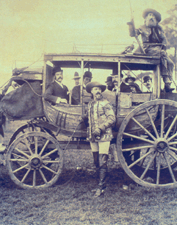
97 133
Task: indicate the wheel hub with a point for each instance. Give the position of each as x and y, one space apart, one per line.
36 162
162 146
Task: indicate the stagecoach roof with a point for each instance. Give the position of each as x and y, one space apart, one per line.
103 61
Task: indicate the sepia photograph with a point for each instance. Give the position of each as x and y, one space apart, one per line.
88 112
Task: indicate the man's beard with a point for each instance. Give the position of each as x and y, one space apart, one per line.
98 95
151 23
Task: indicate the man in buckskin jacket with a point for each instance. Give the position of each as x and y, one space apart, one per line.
154 43
101 118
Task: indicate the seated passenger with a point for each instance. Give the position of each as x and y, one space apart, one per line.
57 92
87 77
133 86
76 78
109 83
147 80
123 86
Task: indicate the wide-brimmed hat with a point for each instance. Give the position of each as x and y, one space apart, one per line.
114 74
90 85
156 14
127 78
76 76
146 78
108 79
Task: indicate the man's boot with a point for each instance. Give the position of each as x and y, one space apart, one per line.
96 162
167 83
103 174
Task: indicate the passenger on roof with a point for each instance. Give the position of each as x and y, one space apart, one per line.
56 91
123 86
87 77
133 86
154 43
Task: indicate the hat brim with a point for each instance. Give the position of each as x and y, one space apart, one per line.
75 78
91 85
127 78
157 14
117 75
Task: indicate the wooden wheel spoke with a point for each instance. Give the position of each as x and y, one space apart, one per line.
141 163
152 123
158 170
172 148
47 168
43 176
27 145
171 126
20 168
136 148
18 156
44 156
36 144
139 138
173 143
34 178
162 121
170 169
148 165
142 157
143 128
50 161
19 160
25 176
172 137
45 145
23 153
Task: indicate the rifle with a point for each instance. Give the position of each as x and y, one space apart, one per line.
132 24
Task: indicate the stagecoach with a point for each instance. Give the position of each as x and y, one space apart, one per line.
145 132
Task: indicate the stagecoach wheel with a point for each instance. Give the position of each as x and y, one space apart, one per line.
154 142
29 127
34 160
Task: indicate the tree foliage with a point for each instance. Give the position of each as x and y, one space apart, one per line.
170 26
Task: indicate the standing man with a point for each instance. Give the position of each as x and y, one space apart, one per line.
57 92
87 77
154 43
101 118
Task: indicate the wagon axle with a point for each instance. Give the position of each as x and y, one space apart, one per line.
162 146
36 162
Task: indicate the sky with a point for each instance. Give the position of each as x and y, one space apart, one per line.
30 28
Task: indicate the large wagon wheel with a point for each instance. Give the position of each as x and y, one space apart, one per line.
152 150
34 160
28 127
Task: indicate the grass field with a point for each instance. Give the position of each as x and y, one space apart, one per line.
70 200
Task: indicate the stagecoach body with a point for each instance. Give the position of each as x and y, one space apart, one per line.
144 133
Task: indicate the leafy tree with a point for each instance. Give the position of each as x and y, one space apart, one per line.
170 28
